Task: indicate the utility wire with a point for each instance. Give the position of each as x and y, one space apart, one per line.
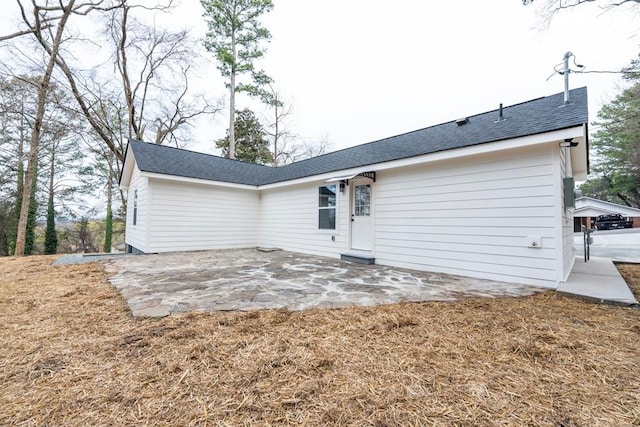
557 70
605 72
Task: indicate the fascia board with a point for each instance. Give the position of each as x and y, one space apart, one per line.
176 178
127 169
489 147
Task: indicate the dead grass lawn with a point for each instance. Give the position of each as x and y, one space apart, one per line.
71 354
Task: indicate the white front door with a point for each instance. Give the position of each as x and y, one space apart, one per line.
361 222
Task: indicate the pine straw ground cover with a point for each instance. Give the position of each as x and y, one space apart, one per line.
631 273
71 354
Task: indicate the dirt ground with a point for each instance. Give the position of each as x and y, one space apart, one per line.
72 354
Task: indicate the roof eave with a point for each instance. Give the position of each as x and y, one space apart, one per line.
580 156
177 178
127 168
482 148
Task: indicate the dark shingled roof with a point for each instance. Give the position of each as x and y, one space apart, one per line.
528 118
175 161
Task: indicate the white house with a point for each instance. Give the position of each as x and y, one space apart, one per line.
587 209
482 196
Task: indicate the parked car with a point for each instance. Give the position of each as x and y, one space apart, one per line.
611 222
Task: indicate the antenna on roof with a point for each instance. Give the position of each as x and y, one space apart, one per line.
565 72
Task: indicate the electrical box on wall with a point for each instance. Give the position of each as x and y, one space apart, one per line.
534 241
569 192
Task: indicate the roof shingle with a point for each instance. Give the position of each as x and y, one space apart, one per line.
528 118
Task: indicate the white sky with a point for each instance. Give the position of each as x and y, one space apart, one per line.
361 70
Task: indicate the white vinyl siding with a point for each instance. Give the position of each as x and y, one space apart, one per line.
136 235
471 217
289 220
189 216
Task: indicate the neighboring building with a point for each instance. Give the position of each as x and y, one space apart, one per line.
481 196
588 209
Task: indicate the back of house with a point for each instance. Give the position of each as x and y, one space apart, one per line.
487 196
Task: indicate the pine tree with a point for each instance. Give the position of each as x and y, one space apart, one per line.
234 36
616 167
252 145
50 236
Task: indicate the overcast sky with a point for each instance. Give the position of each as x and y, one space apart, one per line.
361 70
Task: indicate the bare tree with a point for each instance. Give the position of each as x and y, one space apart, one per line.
551 7
46 22
293 151
154 66
40 26
288 147
277 126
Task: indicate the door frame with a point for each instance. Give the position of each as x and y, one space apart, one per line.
352 191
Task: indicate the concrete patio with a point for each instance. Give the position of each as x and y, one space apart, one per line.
247 279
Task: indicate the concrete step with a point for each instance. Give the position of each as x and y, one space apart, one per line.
360 258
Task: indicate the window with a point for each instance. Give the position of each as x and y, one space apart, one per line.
135 207
327 197
362 202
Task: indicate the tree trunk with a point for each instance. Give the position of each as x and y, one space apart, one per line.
232 120
43 90
30 231
30 175
122 60
232 102
276 135
19 190
108 231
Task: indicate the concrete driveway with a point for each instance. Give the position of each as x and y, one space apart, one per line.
618 245
248 279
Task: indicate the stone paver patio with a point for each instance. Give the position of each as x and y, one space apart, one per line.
248 279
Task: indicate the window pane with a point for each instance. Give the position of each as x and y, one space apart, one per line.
362 200
327 196
327 219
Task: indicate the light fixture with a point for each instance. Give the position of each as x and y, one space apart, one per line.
569 142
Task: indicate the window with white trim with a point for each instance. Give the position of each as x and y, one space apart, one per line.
135 206
327 202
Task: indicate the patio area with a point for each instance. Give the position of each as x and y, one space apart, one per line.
249 279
